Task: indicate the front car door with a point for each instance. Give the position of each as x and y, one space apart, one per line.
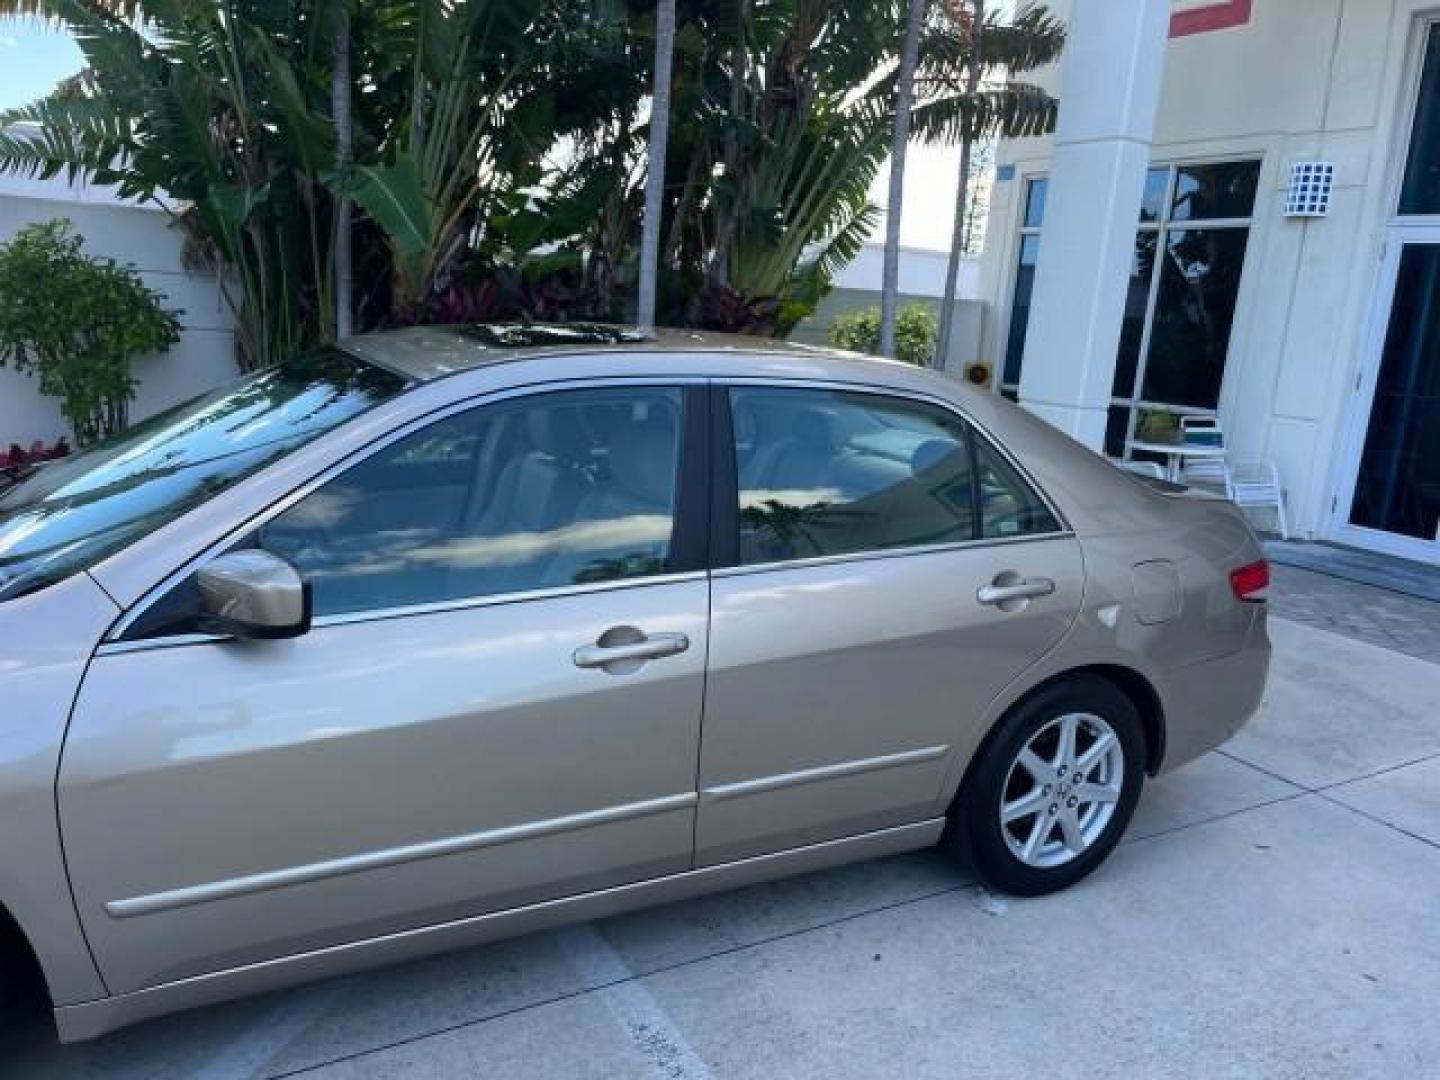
883 572
498 703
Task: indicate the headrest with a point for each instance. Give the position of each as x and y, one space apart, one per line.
642 459
559 432
932 453
814 429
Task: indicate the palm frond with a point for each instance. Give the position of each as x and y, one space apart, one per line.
1012 111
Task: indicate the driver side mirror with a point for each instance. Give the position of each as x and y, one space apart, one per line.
253 594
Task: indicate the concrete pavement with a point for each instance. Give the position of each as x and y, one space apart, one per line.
1271 913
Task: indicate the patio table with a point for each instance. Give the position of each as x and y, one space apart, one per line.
1176 453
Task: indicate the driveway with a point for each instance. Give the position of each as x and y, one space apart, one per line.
1272 913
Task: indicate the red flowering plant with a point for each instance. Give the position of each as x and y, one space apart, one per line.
17 462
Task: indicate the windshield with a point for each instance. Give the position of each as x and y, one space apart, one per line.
74 512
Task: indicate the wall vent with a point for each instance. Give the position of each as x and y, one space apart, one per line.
1311 184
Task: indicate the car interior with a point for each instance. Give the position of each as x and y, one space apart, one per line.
554 491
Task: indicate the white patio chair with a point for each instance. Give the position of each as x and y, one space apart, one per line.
1205 472
1151 469
1202 428
1258 486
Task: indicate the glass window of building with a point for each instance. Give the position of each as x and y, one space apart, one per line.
1036 191
1180 302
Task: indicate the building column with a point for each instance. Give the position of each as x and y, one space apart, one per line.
1110 90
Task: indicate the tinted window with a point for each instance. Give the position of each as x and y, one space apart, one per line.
1157 188
1009 507
1020 307
1035 195
1190 338
1420 193
832 473
543 492
75 512
1215 191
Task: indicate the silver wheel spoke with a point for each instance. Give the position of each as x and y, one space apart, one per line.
1097 793
1098 749
1068 727
1070 829
1040 770
1033 803
1038 834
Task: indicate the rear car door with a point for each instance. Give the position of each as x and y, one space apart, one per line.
498 702
883 571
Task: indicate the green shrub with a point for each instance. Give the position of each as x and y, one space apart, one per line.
75 322
915 332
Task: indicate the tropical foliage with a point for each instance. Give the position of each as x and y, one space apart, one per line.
915 329
75 322
495 151
975 55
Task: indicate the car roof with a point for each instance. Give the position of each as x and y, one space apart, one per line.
424 353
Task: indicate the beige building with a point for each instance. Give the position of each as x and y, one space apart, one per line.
1174 249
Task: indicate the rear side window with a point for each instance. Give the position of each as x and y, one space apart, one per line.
1008 505
823 472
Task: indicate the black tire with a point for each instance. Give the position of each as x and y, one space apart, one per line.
22 986
975 833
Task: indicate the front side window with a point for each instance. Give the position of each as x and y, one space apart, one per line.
72 513
823 472
548 491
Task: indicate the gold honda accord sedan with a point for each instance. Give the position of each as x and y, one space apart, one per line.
452 634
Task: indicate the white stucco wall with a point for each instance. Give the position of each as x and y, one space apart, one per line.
922 278
204 356
1306 79
922 272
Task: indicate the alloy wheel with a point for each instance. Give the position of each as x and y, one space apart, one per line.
1062 790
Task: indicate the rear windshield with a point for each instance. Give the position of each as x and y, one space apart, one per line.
72 513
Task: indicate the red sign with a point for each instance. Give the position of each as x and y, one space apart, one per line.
1218 16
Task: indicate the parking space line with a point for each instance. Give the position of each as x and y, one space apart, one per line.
245 1056
666 1050
607 978
662 969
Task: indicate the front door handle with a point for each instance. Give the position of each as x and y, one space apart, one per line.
624 644
1002 592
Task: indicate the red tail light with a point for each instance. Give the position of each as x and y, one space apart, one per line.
1251 583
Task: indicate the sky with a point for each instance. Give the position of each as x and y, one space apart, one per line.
34 57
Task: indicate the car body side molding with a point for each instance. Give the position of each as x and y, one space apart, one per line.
94 1018
373 860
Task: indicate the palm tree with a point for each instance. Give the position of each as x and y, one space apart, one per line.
492 153
340 89
973 22
900 141
969 95
655 176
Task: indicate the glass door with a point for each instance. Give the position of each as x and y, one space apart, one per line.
1395 502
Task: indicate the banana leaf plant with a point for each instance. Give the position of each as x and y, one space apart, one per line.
212 111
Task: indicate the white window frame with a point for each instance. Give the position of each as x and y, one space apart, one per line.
1161 226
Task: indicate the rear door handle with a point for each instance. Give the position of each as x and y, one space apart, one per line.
648 647
996 595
